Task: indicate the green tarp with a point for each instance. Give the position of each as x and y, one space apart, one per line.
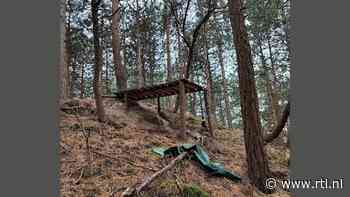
200 156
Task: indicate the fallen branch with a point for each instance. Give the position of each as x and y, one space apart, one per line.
130 191
81 176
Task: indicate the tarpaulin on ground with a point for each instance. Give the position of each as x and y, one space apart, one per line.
200 156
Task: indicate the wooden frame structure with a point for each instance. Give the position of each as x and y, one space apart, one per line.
178 87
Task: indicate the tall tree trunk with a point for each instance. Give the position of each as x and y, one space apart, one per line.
168 67
224 86
209 92
275 85
98 62
82 87
183 101
69 52
258 169
272 118
140 66
221 109
209 78
167 47
120 71
107 80
181 67
63 67
180 55
193 104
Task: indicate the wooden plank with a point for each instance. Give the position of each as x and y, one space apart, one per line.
160 90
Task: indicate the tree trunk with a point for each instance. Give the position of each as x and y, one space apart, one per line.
224 86
279 128
82 87
167 47
182 99
221 109
208 112
272 119
68 57
193 103
120 71
98 62
258 169
209 78
107 80
275 84
140 68
63 67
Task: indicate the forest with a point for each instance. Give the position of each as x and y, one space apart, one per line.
237 50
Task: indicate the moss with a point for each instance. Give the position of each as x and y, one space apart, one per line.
166 188
194 191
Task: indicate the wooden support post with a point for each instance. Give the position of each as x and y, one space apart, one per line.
182 102
208 112
158 104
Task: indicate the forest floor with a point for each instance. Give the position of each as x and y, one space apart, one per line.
121 154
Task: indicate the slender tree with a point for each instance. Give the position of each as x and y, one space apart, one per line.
167 26
119 69
224 85
258 169
97 60
63 67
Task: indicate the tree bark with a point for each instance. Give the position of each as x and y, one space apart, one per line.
279 128
182 99
140 66
71 74
120 71
98 61
193 103
167 47
209 78
208 112
272 119
276 93
258 169
63 67
82 87
224 86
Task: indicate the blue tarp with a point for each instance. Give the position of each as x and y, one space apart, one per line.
200 156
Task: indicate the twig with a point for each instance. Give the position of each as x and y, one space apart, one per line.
81 176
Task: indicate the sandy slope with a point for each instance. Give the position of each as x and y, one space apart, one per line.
121 155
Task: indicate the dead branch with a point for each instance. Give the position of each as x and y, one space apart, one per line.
81 176
130 191
275 133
